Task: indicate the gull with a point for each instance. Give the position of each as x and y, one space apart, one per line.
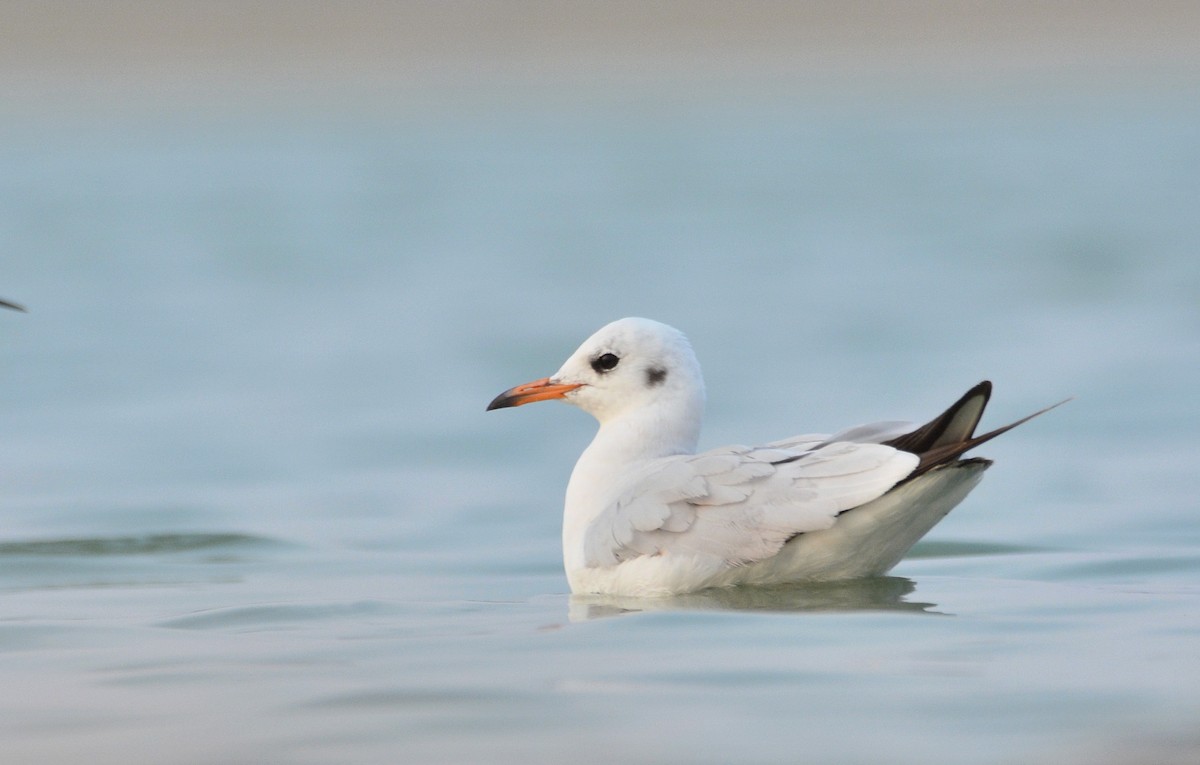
646 515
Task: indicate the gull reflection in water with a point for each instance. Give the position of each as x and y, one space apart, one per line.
885 593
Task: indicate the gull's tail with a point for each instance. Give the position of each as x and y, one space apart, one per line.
946 437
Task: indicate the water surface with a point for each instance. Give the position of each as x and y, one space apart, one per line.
254 510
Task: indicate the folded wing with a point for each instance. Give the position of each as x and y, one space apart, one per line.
741 504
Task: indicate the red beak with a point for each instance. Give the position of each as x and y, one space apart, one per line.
538 390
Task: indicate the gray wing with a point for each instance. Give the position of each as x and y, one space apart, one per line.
870 433
742 504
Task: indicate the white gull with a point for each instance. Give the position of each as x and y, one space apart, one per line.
646 515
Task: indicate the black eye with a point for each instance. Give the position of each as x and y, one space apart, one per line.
604 363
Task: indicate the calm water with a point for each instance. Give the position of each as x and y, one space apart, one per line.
253 510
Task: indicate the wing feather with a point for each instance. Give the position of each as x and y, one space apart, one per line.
799 443
741 504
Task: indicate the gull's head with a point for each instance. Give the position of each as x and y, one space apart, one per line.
628 365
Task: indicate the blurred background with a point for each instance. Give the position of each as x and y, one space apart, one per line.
278 256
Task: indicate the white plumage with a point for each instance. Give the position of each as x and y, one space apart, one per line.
645 515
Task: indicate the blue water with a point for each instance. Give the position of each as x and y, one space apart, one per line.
253 510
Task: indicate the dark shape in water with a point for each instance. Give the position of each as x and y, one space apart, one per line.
153 544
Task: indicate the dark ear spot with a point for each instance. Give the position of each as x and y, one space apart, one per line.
655 376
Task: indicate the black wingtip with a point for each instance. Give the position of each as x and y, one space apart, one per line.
955 424
941 455
13 306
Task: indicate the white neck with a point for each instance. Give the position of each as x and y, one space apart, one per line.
644 434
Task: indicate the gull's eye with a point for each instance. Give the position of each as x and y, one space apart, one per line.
605 363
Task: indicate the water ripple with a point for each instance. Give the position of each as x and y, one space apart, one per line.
274 615
150 544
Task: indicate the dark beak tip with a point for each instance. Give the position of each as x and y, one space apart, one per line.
499 402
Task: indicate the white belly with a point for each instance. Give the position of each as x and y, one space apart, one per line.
866 541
